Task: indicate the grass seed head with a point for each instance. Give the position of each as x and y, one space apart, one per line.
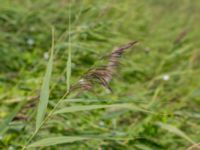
102 75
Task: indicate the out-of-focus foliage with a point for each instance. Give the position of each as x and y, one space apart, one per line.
160 75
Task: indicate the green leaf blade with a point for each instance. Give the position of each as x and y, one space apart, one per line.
93 107
57 140
176 131
68 70
44 94
4 124
70 139
69 59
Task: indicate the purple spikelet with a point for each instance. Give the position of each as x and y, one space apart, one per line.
102 75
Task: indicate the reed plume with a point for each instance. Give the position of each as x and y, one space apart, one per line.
102 75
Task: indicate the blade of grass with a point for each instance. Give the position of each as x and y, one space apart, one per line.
175 131
44 94
57 140
70 139
93 107
4 124
69 53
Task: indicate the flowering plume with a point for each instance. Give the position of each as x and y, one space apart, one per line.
102 75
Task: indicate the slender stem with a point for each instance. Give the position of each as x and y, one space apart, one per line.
45 120
68 75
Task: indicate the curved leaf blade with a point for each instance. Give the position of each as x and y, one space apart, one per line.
70 139
57 140
5 123
93 107
44 94
175 131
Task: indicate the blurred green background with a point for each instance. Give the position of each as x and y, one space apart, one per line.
161 74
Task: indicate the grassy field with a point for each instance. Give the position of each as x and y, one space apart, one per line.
155 98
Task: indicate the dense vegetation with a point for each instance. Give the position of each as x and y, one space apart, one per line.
155 97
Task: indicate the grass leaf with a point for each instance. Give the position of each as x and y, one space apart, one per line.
70 139
69 53
44 94
68 69
175 131
57 140
93 107
4 124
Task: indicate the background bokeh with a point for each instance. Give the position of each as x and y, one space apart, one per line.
160 74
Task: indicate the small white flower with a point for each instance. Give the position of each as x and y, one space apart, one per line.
30 41
46 55
166 77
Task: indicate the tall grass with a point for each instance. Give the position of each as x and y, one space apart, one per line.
149 101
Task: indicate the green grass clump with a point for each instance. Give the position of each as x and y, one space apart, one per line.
154 103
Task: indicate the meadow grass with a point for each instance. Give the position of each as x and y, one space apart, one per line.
154 103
